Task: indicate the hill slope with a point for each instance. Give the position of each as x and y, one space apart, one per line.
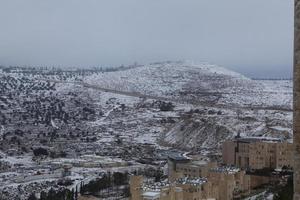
197 83
219 103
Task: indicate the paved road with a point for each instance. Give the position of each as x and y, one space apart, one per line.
144 96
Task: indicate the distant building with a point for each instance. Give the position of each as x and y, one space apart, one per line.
257 153
181 166
66 170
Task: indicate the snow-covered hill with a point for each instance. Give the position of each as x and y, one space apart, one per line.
211 103
222 103
197 83
133 113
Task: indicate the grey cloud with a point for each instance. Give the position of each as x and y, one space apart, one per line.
253 37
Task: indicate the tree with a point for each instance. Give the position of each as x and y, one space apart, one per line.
70 195
43 195
163 106
286 192
32 197
40 152
76 194
120 178
158 175
126 191
82 188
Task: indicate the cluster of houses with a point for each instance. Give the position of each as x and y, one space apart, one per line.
198 179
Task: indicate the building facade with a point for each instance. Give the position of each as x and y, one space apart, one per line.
191 179
230 182
256 153
181 189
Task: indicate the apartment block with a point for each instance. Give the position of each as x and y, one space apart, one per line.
191 179
257 153
181 189
230 182
181 166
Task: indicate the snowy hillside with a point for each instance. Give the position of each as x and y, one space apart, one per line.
209 104
135 113
221 103
196 83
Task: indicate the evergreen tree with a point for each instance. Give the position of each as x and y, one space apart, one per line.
43 195
285 193
51 195
82 188
76 194
32 197
69 195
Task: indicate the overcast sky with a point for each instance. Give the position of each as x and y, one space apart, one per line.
254 37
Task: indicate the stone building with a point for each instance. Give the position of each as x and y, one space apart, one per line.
136 183
193 180
257 153
182 166
229 182
193 168
221 183
66 170
196 188
181 189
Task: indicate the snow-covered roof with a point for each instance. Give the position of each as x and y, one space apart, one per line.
191 181
226 169
155 186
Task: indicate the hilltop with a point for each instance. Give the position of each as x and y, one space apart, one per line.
196 84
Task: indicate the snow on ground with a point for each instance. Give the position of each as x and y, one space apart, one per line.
262 195
198 122
24 160
157 79
194 83
190 81
280 128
